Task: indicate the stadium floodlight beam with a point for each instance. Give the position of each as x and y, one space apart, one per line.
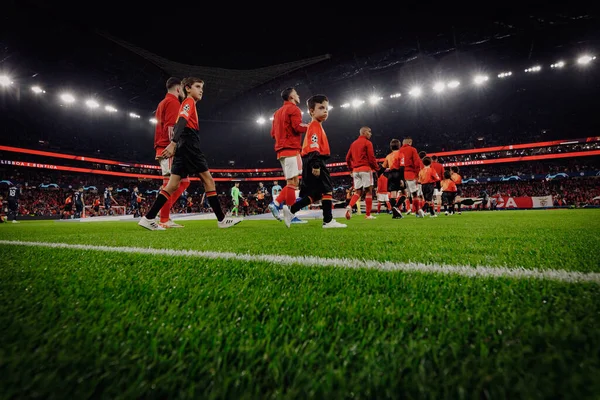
395 95
415 91
92 103
67 98
260 120
504 74
110 109
5 80
439 87
329 107
153 121
559 64
585 59
536 68
134 115
37 90
480 79
345 105
453 84
357 103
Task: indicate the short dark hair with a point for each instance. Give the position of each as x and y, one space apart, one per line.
189 82
395 144
426 161
422 154
434 158
172 81
454 169
447 174
314 100
285 93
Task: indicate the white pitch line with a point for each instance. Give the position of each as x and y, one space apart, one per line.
462 270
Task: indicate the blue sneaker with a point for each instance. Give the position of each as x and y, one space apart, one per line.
275 211
297 220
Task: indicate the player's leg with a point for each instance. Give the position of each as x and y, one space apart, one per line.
215 204
368 195
358 189
148 221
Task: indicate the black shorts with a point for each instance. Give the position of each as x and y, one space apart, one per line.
107 205
427 189
68 207
438 186
78 207
395 181
314 186
448 197
189 159
97 208
13 205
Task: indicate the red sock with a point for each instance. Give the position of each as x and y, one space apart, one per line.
282 195
388 205
290 197
407 205
368 203
378 207
353 200
166 209
439 206
416 204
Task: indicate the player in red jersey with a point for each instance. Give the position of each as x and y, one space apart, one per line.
361 162
189 159
428 177
383 193
166 117
287 130
412 166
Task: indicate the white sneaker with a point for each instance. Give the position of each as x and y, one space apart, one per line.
14 221
170 224
287 216
228 222
275 211
348 212
370 217
433 216
333 224
420 213
150 224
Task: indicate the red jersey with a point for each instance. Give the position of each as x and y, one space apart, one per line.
361 156
428 175
456 178
412 162
166 117
439 168
315 140
398 161
382 184
448 185
188 111
286 130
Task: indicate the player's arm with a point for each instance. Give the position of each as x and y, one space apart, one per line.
371 156
296 119
349 159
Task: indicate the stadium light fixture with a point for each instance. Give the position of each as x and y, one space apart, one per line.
67 98
357 103
37 90
504 74
480 79
271 118
5 80
345 105
536 68
375 99
329 107
395 95
91 103
559 64
439 87
153 121
585 59
110 109
134 115
453 84
415 91
260 120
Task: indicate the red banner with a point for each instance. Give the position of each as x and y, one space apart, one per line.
507 203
